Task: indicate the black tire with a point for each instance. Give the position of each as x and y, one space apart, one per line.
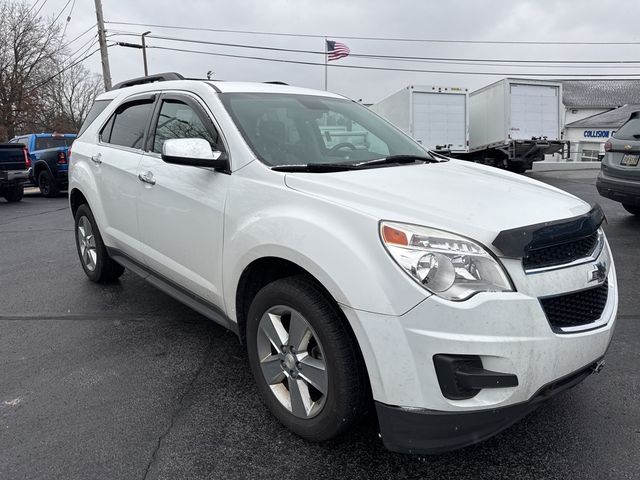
634 209
348 390
14 194
47 184
105 269
518 167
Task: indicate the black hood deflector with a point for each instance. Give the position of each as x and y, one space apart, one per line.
517 242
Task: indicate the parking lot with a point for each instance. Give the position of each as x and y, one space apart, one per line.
121 381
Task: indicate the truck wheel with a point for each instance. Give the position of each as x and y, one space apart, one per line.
635 209
518 167
304 360
14 194
95 260
48 186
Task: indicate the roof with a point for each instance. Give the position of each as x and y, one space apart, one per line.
218 86
609 93
612 119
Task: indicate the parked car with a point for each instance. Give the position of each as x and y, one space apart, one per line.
619 177
49 153
14 164
454 297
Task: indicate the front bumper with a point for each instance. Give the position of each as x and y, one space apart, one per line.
419 431
509 332
620 190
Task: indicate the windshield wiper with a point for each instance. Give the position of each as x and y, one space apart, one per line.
315 167
343 167
398 159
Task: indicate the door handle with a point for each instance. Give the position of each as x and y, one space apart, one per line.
147 177
97 158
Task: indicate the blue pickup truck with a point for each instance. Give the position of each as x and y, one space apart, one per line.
49 154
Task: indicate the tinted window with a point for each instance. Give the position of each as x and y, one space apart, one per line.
630 130
42 143
96 109
128 125
179 120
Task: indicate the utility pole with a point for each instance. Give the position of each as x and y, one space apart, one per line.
102 40
144 54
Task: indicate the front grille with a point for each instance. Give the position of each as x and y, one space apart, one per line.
560 254
575 309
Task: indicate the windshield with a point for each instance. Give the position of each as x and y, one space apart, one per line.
42 143
285 129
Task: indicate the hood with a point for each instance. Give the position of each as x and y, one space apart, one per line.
457 196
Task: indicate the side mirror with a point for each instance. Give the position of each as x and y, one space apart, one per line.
195 152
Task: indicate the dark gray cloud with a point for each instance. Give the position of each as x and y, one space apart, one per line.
547 20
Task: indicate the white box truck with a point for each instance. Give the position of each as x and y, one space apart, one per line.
437 117
515 122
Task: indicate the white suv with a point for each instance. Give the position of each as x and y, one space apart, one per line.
357 267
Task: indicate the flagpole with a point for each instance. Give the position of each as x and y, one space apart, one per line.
324 49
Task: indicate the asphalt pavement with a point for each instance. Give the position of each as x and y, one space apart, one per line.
123 382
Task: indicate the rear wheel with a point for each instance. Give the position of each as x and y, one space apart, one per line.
95 260
635 209
304 360
47 184
14 194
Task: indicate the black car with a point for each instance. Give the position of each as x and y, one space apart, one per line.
619 177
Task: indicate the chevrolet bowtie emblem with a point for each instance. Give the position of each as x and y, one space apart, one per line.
599 273
627 147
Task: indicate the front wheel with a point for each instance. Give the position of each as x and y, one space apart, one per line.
635 209
304 359
95 260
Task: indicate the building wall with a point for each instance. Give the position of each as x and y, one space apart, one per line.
587 144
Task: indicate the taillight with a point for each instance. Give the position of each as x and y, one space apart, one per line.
27 158
608 146
62 158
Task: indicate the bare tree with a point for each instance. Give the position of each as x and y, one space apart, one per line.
29 47
66 100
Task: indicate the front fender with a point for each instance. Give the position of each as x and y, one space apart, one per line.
338 246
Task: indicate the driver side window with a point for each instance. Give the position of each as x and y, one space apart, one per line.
179 120
336 129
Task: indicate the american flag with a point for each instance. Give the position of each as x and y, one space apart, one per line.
336 50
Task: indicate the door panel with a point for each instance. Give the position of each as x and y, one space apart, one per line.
116 173
181 208
181 218
440 119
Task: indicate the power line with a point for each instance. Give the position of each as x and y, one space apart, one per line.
353 37
61 11
64 69
390 69
68 18
392 57
39 9
79 36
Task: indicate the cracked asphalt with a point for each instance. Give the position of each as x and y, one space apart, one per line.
123 382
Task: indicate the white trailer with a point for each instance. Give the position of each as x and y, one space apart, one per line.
514 122
437 117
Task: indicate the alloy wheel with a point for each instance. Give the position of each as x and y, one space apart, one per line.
292 361
87 244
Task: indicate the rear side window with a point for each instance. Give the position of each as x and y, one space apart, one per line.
630 130
96 109
42 143
127 126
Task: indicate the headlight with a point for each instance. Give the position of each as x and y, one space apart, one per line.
452 267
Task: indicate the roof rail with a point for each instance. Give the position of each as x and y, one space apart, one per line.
277 82
158 77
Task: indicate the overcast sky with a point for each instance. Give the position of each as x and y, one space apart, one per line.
499 20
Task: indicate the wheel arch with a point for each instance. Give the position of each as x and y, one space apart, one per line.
39 166
76 198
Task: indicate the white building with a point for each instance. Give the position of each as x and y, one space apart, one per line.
588 135
594 110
